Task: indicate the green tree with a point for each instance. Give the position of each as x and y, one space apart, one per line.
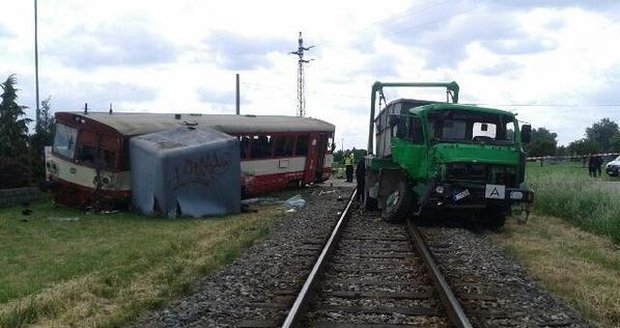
43 136
15 162
44 133
602 133
583 147
543 143
615 143
13 122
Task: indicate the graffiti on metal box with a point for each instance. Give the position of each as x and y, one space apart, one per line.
203 170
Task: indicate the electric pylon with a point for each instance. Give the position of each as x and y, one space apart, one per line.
301 98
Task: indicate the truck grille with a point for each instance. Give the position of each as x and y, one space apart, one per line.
481 173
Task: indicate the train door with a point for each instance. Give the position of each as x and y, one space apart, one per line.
314 160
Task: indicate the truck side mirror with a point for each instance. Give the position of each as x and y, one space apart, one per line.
526 133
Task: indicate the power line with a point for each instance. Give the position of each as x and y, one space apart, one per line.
552 105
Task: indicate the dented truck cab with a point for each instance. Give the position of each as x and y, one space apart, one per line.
442 156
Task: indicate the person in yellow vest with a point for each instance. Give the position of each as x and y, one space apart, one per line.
348 166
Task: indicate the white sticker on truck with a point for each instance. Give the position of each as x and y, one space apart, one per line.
495 191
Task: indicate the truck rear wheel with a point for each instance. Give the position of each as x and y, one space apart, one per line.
398 204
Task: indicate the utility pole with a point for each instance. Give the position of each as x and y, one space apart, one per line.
237 95
36 68
301 98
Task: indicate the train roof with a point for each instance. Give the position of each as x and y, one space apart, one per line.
131 124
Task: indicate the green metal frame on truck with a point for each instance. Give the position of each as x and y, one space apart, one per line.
443 156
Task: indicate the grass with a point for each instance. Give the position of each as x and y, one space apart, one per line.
62 267
570 244
581 267
567 191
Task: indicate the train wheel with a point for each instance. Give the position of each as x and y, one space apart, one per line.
398 204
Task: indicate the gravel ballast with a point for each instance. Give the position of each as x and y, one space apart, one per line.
258 287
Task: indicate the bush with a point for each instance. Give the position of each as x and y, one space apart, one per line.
13 173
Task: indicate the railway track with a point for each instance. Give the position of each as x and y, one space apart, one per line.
371 275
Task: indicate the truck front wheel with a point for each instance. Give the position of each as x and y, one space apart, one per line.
398 204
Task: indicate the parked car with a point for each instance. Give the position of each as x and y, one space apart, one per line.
613 167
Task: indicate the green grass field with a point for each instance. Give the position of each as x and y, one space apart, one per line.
570 244
568 192
62 267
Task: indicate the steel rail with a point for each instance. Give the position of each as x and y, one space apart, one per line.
307 289
449 300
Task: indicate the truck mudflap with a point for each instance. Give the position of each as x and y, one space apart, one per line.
457 195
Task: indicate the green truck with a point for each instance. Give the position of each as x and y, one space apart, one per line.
444 157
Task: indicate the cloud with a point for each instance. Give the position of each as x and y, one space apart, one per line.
117 44
592 5
500 68
5 32
380 66
98 96
519 46
239 52
443 38
215 96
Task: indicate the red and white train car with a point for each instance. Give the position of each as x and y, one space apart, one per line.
90 155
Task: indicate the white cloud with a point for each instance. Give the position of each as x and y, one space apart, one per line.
182 56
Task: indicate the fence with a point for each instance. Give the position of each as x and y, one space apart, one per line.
556 159
15 196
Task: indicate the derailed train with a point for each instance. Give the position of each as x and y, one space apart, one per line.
89 160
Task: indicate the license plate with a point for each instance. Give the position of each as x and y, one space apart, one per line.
461 195
493 191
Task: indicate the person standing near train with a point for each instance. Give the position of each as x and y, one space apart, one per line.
348 165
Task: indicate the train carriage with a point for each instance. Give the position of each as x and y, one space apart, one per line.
89 161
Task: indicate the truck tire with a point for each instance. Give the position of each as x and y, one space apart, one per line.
398 204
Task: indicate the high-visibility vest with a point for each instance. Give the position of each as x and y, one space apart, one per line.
348 160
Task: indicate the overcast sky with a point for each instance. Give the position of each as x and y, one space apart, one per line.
556 65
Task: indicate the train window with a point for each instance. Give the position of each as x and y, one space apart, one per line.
109 158
261 146
330 144
284 146
87 154
64 140
302 145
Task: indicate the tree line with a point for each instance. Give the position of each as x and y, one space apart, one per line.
602 137
22 155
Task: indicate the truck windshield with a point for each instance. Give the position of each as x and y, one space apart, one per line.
64 140
471 127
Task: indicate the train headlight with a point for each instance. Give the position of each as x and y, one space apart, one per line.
439 189
516 195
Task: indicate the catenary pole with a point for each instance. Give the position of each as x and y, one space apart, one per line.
36 68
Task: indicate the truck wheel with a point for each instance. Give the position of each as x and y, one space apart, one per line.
398 204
